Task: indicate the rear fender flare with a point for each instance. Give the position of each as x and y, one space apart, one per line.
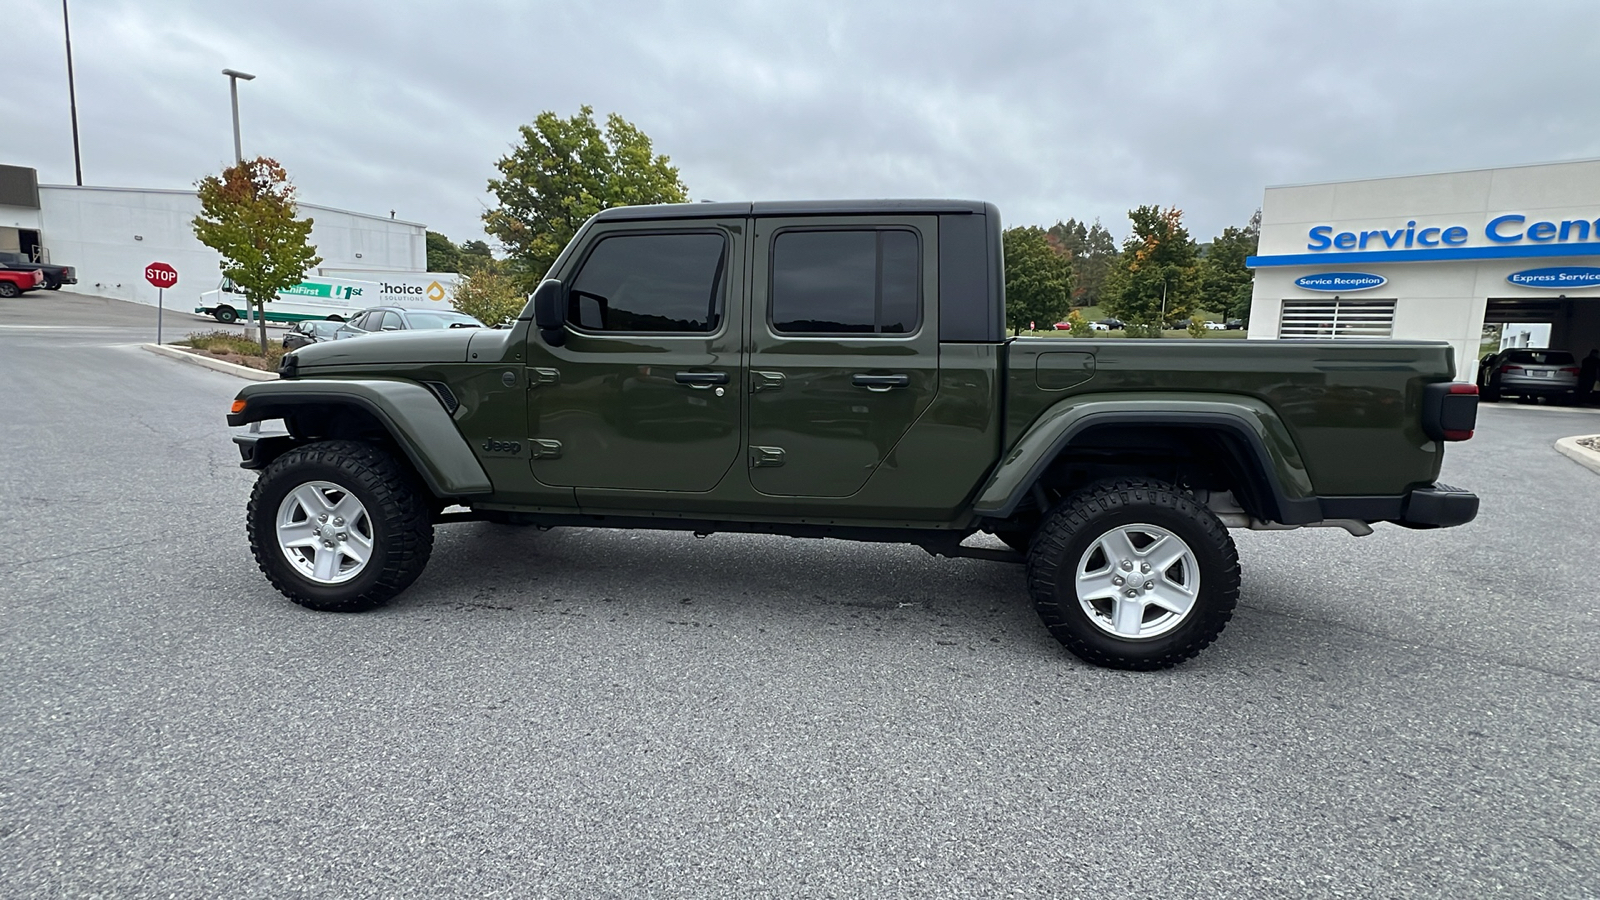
409 412
1285 483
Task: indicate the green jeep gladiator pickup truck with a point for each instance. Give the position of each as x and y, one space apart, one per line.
841 370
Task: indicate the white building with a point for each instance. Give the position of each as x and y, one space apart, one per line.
110 234
1434 257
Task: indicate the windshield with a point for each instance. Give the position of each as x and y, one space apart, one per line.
1540 357
442 320
324 328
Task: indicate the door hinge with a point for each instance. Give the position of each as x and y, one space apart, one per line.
766 457
765 381
544 448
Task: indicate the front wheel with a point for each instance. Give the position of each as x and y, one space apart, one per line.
339 526
1133 574
227 315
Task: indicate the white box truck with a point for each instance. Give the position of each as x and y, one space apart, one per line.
336 297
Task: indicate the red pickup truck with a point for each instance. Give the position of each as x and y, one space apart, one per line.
14 281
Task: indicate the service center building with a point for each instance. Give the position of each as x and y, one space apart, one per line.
1433 257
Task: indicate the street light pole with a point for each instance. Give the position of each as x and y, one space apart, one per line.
72 95
233 92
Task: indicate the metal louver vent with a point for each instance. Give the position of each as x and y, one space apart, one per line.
1337 319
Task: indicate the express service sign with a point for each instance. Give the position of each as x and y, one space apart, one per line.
1557 277
1341 282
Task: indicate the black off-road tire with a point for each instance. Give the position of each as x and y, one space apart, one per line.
1080 520
396 503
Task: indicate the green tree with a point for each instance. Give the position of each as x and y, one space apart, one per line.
1038 279
1093 252
1153 280
1225 283
563 172
443 254
489 295
248 216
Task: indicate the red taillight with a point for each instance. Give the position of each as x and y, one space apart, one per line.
1570 370
1462 434
1507 370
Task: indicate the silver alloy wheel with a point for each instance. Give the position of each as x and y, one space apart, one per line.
324 532
1138 581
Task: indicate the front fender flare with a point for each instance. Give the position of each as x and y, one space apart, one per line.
1287 485
409 412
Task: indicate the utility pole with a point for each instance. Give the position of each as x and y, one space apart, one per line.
233 92
72 95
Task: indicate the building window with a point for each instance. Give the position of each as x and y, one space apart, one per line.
1337 319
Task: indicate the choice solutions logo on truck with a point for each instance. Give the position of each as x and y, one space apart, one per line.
338 299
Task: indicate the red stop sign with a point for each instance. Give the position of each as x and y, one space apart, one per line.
161 275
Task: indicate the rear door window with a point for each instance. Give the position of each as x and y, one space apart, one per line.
846 282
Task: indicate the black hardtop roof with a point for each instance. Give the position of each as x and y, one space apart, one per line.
791 208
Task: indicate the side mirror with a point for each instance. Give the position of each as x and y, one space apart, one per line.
547 312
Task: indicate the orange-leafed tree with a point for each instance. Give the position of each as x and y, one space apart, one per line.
248 214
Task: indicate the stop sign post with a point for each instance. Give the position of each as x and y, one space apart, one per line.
162 276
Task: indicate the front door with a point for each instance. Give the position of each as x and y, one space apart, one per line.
644 394
844 348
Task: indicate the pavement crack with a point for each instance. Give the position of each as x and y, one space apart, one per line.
41 559
1454 649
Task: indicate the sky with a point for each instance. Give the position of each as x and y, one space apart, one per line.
1050 110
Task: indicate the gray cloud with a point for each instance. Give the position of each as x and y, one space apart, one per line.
1050 109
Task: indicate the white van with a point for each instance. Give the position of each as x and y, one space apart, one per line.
335 299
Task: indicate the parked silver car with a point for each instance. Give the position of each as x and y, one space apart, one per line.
382 319
1528 374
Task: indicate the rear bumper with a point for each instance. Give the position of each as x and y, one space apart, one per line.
1434 506
1516 385
1439 506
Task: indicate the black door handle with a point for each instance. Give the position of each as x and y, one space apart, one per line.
881 382
702 379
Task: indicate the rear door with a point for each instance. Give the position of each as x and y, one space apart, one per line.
844 347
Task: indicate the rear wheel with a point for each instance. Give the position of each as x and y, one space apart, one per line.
339 526
1133 574
227 315
7 289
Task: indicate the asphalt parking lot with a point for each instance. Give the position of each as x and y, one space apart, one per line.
621 714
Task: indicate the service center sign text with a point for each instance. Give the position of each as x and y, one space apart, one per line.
1512 228
1557 277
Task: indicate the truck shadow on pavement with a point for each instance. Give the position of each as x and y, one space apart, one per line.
726 579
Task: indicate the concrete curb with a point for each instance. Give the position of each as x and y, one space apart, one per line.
1583 456
209 363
